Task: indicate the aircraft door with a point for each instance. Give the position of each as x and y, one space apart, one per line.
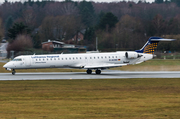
27 61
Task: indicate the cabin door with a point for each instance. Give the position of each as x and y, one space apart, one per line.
27 61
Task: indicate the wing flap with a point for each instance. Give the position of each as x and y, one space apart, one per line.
103 66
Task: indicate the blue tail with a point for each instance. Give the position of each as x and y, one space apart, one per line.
151 45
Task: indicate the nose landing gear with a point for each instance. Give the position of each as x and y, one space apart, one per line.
13 72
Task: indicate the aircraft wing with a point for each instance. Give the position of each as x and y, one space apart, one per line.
102 66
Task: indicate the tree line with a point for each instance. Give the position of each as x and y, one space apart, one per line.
117 25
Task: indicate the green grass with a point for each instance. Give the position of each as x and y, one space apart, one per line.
90 99
166 62
153 65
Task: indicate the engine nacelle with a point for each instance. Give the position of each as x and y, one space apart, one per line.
132 55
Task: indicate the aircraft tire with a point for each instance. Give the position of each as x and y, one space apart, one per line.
89 71
13 72
98 71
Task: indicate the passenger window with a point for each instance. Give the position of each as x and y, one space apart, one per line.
66 58
109 57
101 57
47 59
39 59
94 57
116 56
69 58
58 58
112 56
62 58
54 58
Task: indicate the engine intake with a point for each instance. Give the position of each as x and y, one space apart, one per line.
132 55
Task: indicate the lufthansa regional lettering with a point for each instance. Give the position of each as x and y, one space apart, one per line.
44 57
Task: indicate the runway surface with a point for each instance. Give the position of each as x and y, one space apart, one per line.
109 74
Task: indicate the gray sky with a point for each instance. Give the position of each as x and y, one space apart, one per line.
1 1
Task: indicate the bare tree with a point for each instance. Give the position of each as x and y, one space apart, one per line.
60 27
159 24
29 17
61 8
1 29
128 32
21 43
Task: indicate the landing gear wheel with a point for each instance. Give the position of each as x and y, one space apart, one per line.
98 71
89 71
13 72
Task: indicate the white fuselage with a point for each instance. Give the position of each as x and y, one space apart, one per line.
82 60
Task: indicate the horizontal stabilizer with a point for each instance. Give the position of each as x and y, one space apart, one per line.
162 39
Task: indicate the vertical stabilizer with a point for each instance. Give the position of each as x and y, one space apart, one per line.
151 45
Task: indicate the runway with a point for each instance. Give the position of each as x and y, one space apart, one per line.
109 74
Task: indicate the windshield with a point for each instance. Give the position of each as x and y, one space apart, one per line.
17 60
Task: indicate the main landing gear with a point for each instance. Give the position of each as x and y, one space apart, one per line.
13 72
98 71
89 71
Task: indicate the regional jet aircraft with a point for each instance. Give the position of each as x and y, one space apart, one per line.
89 61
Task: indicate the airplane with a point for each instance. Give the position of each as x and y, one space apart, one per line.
88 61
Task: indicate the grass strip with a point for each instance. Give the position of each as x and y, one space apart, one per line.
90 99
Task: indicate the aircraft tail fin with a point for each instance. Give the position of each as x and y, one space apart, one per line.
151 45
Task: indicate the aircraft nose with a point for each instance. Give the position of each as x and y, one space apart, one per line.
6 65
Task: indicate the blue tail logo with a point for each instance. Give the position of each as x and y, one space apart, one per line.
151 45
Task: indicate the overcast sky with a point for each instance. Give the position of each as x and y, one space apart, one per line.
1 1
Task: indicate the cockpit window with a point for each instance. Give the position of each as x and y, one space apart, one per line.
17 60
